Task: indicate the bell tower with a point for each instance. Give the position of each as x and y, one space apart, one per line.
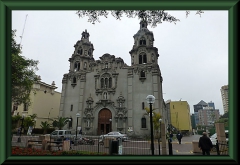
82 55
143 51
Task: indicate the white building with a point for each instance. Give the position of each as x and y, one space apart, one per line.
224 92
108 94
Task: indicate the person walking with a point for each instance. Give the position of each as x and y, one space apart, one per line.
170 136
179 137
205 144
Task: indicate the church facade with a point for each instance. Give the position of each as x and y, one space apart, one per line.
108 94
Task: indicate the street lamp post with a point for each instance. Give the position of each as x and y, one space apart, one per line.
160 121
77 115
150 99
19 138
110 120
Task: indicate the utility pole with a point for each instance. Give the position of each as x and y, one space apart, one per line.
23 29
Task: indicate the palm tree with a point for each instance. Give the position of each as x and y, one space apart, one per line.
33 116
45 126
156 116
60 122
27 122
148 110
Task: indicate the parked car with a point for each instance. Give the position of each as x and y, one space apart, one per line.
57 134
213 138
116 135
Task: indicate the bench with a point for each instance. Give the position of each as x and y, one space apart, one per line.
46 145
31 143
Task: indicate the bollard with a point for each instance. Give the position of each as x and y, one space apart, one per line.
170 147
217 148
44 144
120 147
66 145
98 143
114 147
110 146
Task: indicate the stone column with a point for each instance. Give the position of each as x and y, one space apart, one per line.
221 137
220 130
66 145
44 144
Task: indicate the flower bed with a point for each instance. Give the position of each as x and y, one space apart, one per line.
33 151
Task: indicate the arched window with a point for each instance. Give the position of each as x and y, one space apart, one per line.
144 58
102 83
80 51
74 80
106 82
76 66
110 82
142 41
140 59
143 122
89 52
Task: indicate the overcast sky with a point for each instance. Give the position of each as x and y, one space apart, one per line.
193 52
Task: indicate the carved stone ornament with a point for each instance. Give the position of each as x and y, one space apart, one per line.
142 50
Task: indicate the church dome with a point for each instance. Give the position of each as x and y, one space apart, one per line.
143 29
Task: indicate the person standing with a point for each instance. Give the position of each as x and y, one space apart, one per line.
80 133
179 137
18 131
205 144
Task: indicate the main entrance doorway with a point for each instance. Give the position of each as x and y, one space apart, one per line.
104 124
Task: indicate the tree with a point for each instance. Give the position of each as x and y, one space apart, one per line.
148 110
156 116
27 122
15 121
60 122
33 116
153 17
223 120
23 73
225 115
45 126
